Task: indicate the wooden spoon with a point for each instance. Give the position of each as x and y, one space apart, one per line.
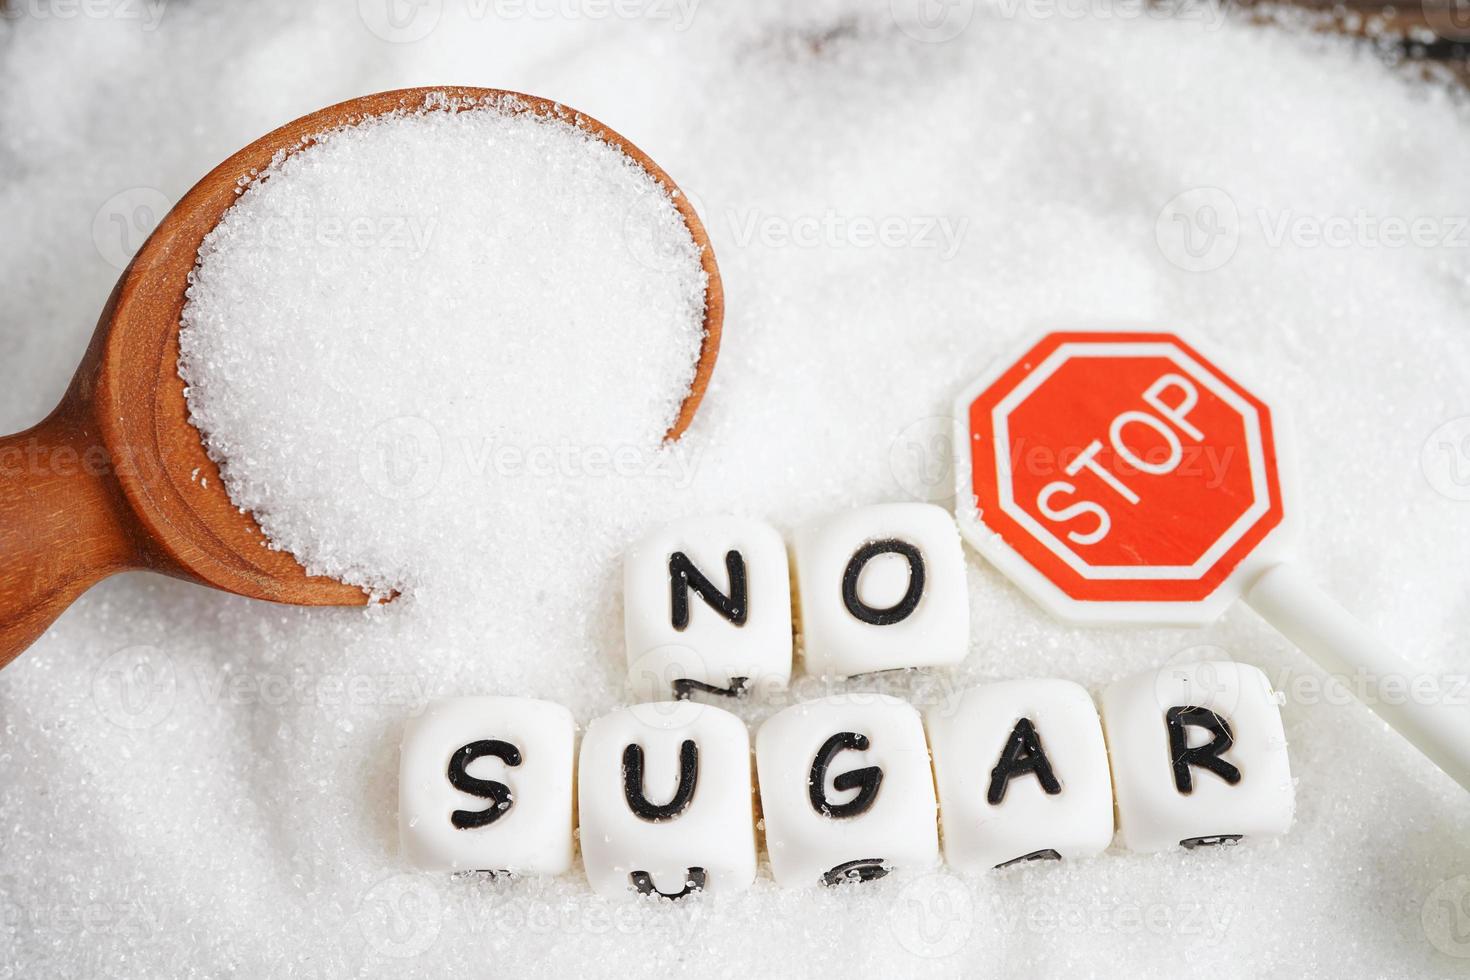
116 477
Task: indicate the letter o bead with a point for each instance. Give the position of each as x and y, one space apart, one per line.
882 588
485 784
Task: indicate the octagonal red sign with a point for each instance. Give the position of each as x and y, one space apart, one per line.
1118 475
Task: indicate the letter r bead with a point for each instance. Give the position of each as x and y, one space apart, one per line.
1199 757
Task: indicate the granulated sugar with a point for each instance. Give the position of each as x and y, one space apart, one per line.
391 314
199 785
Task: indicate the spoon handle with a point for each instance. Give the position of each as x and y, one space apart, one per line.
63 523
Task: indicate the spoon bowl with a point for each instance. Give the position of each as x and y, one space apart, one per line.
117 477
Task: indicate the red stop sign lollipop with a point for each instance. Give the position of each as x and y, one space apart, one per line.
1123 476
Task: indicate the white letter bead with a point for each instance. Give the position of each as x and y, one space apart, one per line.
1022 772
1199 756
485 784
846 789
882 587
666 801
707 609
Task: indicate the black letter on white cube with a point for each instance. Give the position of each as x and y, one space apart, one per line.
865 781
497 792
683 793
685 688
683 576
1023 754
694 880
855 872
1178 720
901 610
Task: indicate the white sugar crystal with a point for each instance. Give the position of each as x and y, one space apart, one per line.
390 319
181 797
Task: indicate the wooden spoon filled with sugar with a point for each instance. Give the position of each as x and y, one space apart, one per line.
481 240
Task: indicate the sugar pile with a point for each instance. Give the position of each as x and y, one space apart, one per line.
200 785
491 282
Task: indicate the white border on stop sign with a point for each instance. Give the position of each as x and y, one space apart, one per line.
1274 549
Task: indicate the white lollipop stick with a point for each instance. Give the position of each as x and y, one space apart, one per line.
1125 477
1343 646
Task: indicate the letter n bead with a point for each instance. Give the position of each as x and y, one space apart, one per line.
707 610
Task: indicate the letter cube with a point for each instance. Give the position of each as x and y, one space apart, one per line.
882 587
485 784
707 610
1022 772
846 789
666 801
1199 756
